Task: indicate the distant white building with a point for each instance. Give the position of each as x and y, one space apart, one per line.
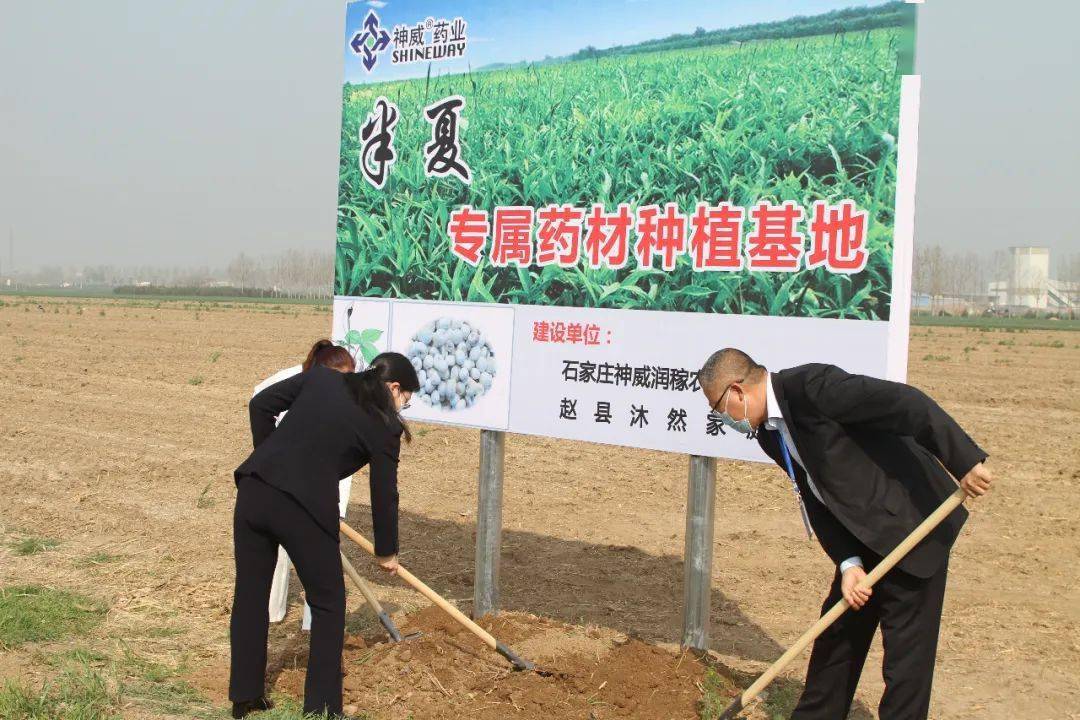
1028 284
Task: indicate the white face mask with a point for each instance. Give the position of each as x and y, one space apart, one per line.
741 426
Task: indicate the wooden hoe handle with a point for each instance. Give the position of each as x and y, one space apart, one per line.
437 599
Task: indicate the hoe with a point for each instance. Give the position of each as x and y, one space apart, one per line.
925 528
517 662
373 601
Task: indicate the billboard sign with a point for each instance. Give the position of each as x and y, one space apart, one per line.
558 210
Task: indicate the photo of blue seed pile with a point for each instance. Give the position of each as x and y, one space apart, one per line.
454 361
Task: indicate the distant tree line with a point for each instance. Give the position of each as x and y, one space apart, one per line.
293 273
289 274
195 291
938 273
855 19
945 277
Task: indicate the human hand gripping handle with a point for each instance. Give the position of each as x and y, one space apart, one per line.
887 563
853 588
977 481
388 563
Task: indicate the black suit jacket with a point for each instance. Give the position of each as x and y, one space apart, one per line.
324 437
873 449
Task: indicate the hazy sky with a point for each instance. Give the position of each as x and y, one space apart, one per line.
538 29
186 131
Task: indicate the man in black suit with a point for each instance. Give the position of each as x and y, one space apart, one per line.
870 460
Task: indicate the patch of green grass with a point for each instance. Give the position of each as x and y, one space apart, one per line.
78 694
197 380
716 697
158 686
285 708
214 356
1004 324
33 545
80 656
172 696
780 700
31 613
289 708
89 675
935 358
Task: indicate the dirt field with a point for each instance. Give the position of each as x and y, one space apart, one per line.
122 422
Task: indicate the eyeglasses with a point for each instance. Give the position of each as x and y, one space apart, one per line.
408 402
713 408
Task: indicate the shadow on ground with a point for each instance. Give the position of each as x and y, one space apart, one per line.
577 582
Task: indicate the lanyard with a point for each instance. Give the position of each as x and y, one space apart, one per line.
794 485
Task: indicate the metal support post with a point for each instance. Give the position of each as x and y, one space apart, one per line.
697 576
489 523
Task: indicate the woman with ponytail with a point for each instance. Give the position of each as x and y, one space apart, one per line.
337 422
323 352
386 388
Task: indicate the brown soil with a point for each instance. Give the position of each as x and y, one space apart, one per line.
119 432
446 672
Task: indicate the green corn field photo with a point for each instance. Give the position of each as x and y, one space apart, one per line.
800 119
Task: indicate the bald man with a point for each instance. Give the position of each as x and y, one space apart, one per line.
870 460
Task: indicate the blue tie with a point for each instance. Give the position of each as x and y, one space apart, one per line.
794 484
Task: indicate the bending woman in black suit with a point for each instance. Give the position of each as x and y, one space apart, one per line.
287 494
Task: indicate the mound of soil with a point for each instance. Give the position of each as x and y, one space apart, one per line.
446 672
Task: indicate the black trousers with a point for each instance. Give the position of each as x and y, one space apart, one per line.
266 517
908 609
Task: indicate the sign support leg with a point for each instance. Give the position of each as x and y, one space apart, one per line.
489 523
697 576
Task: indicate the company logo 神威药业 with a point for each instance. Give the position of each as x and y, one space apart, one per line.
429 41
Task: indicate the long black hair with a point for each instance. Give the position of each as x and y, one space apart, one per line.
370 391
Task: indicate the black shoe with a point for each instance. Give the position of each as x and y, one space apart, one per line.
246 707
